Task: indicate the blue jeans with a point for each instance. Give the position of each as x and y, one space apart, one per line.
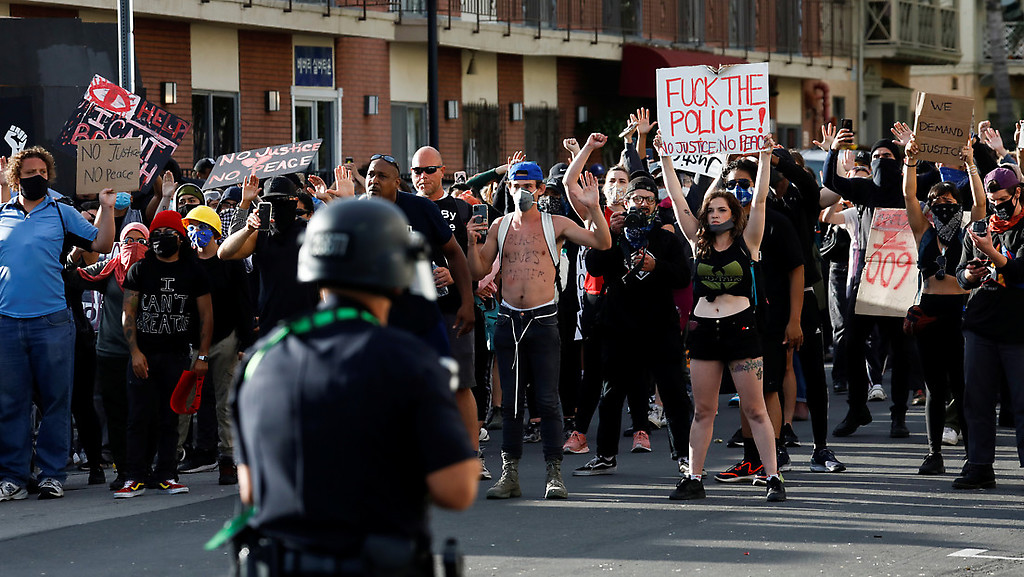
37 352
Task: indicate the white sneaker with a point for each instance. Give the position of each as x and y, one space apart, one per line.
656 415
50 489
949 436
485 475
876 393
484 435
11 492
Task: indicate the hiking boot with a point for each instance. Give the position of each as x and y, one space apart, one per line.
493 421
932 465
50 489
975 477
854 418
508 484
788 436
688 489
641 442
554 488
742 471
776 490
130 489
11 492
824 461
198 462
898 429
228 471
485 474
597 466
576 444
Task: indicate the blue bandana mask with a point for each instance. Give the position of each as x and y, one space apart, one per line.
957 177
124 200
745 195
200 237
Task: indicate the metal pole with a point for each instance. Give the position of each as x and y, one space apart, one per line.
434 134
126 44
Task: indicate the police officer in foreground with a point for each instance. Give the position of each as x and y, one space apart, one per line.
324 500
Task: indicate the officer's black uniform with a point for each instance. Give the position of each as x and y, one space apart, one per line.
324 489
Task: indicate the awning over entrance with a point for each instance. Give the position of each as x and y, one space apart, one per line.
639 65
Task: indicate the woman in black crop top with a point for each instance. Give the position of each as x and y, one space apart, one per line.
939 247
726 334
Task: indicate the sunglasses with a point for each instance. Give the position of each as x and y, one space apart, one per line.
424 169
386 158
740 182
129 241
941 262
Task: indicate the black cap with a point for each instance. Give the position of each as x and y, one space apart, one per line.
642 183
892 146
278 186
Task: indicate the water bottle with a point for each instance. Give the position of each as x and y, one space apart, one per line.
441 291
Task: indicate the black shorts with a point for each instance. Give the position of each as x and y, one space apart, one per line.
726 339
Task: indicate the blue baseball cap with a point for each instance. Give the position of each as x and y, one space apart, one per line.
525 171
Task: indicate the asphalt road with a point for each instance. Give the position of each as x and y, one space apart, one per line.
878 518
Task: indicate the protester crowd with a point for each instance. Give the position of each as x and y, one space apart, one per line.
692 286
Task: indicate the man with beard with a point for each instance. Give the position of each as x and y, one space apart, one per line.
275 252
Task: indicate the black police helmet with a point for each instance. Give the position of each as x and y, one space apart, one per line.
363 244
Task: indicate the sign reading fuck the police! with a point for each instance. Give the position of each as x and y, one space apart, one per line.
706 111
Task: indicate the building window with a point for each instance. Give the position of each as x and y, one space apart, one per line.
214 123
480 137
541 138
839 107
692 21
789 16
315 115
408 131
742 24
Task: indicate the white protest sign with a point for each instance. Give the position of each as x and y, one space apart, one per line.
708 164
109 163
706 111
888 283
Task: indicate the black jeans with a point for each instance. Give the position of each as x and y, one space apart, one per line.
528 346
112 382
986 363
593 364
941 345
90 434
812 362
889 329
629 376
152 425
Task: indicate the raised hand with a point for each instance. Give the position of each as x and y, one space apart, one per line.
843 137
344 182
319 188
596 140
250 188
657 143
642 118
169 186
107 197
994 140
901 133
589 194
516 158
828 134
769 145
967 153
912 150
571 145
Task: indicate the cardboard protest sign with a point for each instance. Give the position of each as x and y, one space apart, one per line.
706 111
109 111
108 163
942 126
888 283
264 162
707 164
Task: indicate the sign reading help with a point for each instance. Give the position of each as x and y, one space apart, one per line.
263 162
704 111
108 111
942 126
109 163
888 283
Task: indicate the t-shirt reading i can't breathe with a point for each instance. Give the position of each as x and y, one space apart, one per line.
167 319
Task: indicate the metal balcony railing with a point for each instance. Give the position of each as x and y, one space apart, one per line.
807 28
918 25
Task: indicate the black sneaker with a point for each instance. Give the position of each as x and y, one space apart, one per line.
742 471
975 477
117 483
493 421
688 489
597 466
736 440
776 490
788 436
531 434
228 471
783 460
932 465
96 476
824 461
898 429
198 462
839 388
854 418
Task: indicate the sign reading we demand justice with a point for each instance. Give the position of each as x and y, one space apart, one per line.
263 162
707 111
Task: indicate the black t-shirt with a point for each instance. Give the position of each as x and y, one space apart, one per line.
281 295
167 319
780 254
232 305
302 418
456 213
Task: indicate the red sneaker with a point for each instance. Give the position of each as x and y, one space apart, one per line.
130 489
576 444
171 487
641 442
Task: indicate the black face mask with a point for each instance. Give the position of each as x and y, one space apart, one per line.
946 212
1004 210
164 245
885 172
34 188
184 209
551 204
284 213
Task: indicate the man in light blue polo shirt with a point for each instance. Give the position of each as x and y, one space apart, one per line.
37 332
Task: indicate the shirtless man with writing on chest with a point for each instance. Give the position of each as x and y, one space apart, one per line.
526 336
